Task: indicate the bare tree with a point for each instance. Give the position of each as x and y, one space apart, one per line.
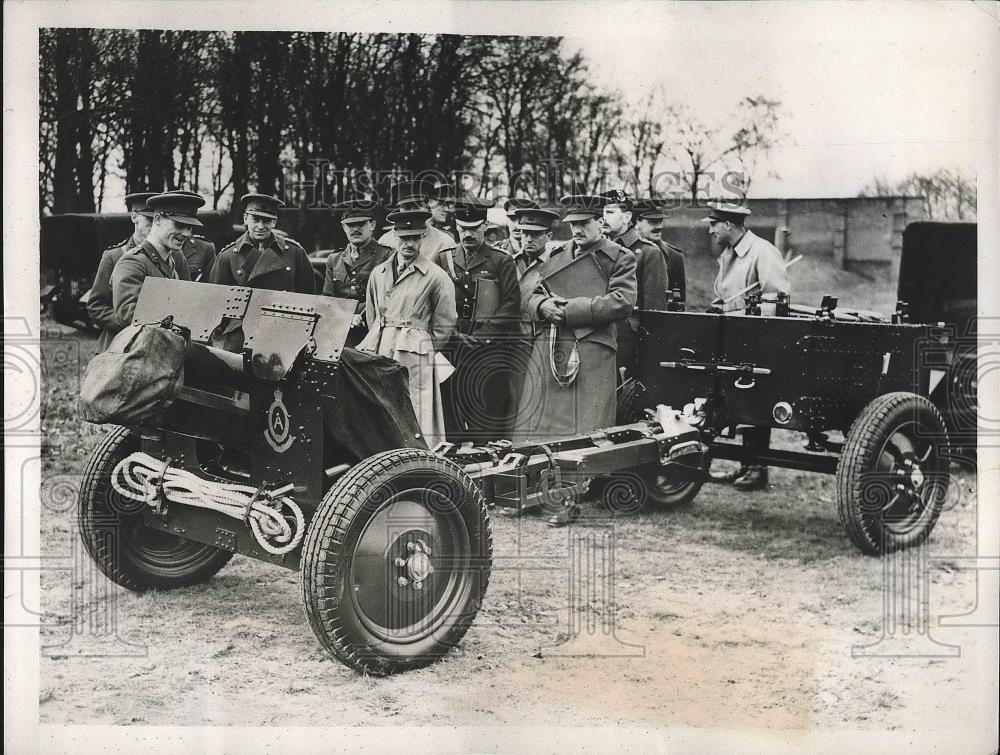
947 194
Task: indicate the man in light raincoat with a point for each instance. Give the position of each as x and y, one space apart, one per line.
410 310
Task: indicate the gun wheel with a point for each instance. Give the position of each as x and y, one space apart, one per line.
127 552
893 473
396 561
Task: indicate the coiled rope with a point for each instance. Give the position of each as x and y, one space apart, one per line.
144 478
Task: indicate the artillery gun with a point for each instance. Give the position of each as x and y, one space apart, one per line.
287 448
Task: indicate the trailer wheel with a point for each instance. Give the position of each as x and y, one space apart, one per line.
396 561
669 489
893 473
127 552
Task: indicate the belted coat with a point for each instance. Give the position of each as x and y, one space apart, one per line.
410 318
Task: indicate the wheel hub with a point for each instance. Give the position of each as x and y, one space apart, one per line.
416 567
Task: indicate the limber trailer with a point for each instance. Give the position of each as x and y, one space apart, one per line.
305 455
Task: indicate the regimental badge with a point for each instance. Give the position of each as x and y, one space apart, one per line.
278 431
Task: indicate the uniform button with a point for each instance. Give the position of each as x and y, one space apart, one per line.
240 270
288 269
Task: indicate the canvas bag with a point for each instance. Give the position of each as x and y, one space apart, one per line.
138 376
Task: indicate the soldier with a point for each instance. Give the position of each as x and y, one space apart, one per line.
410 309
570 381
745 259
488 303
198 251
649 226
535 232
412 195
158 256
348 270
512 245
100 302
261 258
441 205
650 271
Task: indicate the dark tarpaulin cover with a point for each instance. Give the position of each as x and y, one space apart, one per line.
371 411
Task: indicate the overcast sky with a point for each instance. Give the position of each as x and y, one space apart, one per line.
869 89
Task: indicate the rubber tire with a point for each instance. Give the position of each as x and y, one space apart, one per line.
627 398
612 489
871 429
681 493
330 543
99 519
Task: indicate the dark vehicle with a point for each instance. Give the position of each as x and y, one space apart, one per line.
307 455
938 281
70 250
822 372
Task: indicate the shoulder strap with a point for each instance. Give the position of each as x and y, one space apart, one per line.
449 255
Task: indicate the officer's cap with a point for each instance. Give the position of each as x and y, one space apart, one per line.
513 204
261 205
618 197
532 219
410 191
409 222
724 211
356 210
137 202
647 209
472 211
443 192
581 207
179 207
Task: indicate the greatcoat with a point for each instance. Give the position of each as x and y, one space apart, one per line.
547 410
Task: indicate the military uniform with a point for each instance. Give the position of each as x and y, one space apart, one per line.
132 269
347 274
547 409
647 209
411 315
477 399
134 266
199 253
279 264
676 275
100 302
529 275
651 292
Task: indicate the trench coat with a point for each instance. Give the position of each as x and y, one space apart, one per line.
547 410
477 398
752 260
410 318
132 268
282 265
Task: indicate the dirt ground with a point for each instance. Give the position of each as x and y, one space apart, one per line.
738 611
